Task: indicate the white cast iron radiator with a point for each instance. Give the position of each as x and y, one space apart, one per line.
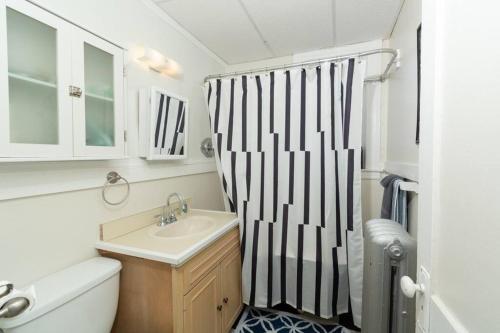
390 253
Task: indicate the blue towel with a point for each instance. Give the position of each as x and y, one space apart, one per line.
394 203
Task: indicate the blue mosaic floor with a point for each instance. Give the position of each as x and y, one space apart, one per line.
260 321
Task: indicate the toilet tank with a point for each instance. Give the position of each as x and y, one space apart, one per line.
80 299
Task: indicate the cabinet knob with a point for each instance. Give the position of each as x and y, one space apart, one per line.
219 307
75 91
225 300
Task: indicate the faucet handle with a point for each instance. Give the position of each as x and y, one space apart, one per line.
161 219
171 217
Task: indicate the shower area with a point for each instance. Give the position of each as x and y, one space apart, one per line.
310 149
288 144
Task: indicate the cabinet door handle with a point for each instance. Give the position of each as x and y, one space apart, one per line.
219 307
75 91
225 300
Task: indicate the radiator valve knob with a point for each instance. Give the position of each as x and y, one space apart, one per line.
396 250
410 288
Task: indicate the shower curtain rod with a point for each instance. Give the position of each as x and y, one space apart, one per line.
376 78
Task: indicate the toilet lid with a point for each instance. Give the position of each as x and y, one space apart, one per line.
63 286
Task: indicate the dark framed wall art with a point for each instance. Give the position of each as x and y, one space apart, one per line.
419 77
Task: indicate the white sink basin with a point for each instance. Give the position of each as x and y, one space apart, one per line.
185 227
141 237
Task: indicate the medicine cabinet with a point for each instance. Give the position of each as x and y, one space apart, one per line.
163 120
61 88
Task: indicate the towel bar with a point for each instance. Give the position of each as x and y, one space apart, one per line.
409 186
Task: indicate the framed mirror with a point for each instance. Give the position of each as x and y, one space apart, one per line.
163 120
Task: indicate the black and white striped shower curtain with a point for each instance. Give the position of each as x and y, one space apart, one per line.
288 151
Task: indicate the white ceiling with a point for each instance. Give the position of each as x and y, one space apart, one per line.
248 30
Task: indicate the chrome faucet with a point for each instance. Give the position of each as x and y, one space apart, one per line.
168 216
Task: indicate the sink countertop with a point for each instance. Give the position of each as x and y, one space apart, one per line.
143 243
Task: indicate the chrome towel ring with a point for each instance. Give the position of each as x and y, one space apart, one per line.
112 178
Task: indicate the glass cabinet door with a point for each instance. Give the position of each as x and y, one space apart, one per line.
99 112
36 59
99 97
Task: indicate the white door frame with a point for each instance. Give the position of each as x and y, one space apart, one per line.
435 316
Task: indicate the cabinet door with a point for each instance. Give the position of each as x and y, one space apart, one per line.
230 275
35 67
203 305
99 112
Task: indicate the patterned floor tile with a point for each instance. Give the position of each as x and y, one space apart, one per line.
263 321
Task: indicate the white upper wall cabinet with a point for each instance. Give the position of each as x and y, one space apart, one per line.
35 72
61 88
98 116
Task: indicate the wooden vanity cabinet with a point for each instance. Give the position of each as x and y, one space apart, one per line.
202 295
230 271
203 304
215 302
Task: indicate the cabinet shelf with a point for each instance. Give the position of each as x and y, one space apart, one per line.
100 97
32 80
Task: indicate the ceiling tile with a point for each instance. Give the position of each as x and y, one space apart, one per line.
364 20
231 28
292 26
222 25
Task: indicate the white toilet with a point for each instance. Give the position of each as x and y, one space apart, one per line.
80 299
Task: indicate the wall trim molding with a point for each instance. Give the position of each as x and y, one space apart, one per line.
371 174
443 320
36 179
406 170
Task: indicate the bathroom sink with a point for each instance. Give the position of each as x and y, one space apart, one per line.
188 226
173 243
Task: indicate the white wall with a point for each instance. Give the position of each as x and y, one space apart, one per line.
401 93
373 117
466 228
45 233
132 24
402 151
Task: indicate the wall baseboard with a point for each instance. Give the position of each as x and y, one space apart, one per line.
443 320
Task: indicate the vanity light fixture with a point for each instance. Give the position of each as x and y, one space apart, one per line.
159 63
